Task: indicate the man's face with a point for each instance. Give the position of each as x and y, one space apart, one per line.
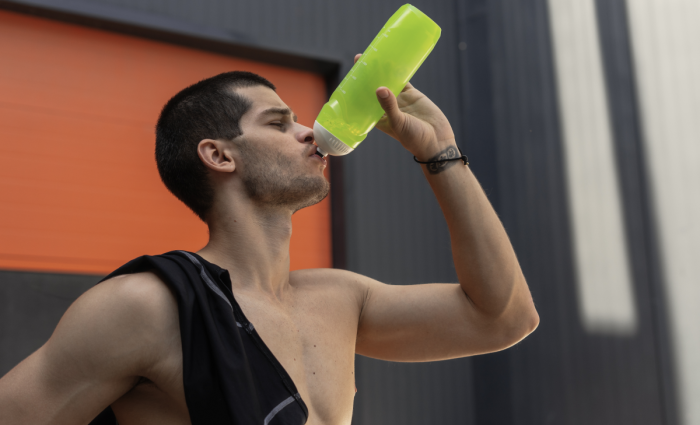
278 167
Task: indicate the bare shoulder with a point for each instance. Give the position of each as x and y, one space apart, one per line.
334 286
144 297
128 315
110 336
331 276
331 279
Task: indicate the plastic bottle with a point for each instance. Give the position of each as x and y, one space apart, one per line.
391 59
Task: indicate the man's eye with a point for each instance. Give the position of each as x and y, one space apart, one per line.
278 124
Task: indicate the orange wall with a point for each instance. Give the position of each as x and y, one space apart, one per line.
79 188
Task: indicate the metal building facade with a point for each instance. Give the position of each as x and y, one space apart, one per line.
497 74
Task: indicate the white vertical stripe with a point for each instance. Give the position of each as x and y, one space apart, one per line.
605 296
665 38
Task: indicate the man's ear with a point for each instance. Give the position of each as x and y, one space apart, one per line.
216 155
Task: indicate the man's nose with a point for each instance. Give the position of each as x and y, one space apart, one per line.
305 135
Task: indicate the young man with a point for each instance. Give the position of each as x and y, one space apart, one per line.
229 335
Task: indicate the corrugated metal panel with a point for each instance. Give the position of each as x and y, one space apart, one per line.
665 37
560 374
413 393
633 174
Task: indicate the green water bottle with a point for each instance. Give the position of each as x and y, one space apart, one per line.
391 59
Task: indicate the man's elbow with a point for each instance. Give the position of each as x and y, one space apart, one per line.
531 322
520 326
518 319
523 318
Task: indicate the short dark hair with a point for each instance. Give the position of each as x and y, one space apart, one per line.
209 109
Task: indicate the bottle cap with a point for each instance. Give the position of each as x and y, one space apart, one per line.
327 143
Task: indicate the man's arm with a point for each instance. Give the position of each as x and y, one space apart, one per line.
491 308
101 346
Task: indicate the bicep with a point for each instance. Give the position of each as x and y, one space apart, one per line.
91 359
426 322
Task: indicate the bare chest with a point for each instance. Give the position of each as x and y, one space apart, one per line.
314 340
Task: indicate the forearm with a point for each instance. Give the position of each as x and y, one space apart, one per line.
486 265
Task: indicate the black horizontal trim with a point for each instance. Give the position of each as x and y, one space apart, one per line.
174 31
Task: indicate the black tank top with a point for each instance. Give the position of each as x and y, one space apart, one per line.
229 374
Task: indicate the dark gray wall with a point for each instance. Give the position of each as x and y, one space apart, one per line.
561 373
492 74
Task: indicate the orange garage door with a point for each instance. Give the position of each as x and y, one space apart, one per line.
79 188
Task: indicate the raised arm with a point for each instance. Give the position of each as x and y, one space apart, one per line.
105 341
494 308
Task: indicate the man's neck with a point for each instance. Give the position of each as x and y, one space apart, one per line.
253 245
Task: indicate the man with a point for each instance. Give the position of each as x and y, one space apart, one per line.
170 339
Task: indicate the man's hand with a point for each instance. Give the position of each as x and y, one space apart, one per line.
415 121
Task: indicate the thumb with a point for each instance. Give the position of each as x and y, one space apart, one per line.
388 102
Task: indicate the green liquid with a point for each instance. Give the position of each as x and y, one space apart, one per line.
392 58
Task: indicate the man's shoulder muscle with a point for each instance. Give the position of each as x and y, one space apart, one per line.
329 278
111 335
334 284
123 313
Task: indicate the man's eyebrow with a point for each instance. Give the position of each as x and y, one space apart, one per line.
280 111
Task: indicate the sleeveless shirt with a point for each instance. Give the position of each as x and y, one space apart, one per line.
229 374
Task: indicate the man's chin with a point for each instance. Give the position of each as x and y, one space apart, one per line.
314 195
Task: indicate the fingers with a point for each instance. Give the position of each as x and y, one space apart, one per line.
388 102
357 56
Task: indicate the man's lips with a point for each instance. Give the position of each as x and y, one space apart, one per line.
320 158
317 155
314 151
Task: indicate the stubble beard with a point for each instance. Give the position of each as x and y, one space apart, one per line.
273 180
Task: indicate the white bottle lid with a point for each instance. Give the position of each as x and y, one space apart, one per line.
328 144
